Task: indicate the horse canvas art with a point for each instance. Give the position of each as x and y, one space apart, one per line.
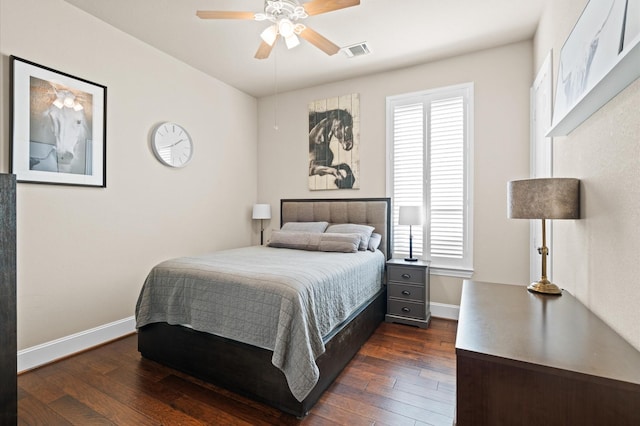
334 143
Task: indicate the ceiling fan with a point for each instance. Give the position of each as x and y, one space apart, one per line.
284 16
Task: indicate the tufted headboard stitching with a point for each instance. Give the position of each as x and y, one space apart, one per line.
374 212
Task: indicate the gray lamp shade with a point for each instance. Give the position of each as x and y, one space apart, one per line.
547 198
261 211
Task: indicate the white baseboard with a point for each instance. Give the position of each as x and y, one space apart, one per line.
442 310
45 353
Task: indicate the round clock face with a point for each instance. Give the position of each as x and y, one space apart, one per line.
172 145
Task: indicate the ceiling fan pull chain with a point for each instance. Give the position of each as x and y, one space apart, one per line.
275 83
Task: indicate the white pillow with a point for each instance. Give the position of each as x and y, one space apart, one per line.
315 227
352 228
374 242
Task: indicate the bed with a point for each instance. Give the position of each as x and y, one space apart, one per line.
273 367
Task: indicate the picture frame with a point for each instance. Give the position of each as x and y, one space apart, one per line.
58 127
599 59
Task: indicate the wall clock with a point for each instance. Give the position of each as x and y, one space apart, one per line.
171 144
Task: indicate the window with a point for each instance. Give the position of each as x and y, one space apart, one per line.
429 147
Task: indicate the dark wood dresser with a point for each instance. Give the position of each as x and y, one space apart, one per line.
8 350
531 359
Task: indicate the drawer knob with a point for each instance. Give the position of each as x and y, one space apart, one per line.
406 276
406 310
406 292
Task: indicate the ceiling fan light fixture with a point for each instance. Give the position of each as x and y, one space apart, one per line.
286 27
269 35
292 41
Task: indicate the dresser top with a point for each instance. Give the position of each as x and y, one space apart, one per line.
557 332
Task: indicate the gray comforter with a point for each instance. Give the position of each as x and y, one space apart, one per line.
279 299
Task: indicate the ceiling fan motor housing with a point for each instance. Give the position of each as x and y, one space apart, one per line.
276 10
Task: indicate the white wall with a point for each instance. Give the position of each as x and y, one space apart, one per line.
83 253
502 78
596 258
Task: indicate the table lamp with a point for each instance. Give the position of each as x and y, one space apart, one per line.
261 211
410 215
544 198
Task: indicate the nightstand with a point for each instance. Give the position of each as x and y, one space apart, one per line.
408 292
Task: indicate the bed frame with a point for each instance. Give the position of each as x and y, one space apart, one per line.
246 369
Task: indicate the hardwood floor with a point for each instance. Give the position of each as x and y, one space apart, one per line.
402 376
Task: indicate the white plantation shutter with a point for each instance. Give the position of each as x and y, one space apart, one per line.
429 146
408 172
447 178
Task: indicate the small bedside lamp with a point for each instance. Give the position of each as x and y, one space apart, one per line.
410 215
261 211
547 198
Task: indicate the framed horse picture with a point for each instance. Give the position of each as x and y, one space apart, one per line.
58 133
334 143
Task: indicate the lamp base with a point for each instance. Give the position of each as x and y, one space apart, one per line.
410 259
544 286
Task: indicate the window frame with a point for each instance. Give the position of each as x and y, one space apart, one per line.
439 266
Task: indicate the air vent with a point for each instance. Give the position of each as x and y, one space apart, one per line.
358 49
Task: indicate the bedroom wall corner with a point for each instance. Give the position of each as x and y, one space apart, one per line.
83 253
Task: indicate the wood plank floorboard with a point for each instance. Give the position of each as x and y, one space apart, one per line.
402 375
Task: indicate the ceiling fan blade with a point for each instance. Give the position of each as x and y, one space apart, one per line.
264 50
316 7
220 14
319 41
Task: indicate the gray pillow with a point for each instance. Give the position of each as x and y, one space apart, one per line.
343 243
316 227
293 240
352 228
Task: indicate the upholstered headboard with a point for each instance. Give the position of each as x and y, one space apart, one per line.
374 212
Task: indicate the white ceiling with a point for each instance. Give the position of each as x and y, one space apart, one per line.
399 33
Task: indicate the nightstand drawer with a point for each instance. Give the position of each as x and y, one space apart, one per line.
408 292
407 275
406 309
